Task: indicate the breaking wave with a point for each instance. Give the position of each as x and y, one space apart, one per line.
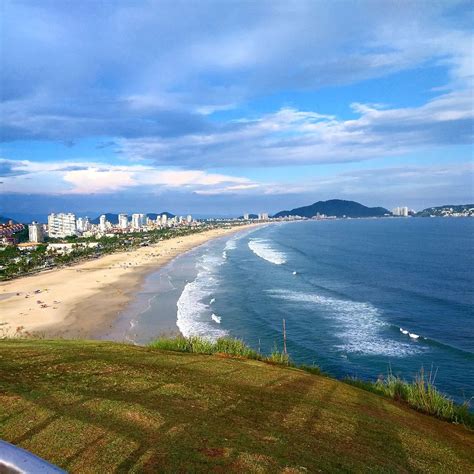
194 314
359 324
263 249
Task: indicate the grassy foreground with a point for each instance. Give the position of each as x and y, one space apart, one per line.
106 407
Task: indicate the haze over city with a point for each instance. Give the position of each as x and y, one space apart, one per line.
234 106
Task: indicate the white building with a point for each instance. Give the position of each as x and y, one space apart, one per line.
189 219
62 225
83 224
138 221
400 211
246 216
164 219
103 223
35 232
263 216
123 221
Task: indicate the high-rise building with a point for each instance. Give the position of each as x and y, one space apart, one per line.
83 224
189 218
123 221
62 225
246 216
35 232
164 219
138 221
400 211
103 223
263 216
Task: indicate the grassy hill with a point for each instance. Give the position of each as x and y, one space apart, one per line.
106 407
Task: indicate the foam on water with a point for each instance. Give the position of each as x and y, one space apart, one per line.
410 334
231 244
360 325
263 248
216 318
194 314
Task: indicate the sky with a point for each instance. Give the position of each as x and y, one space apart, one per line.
225 107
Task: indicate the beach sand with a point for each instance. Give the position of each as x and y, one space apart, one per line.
83 300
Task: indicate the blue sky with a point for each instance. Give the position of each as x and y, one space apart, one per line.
218 108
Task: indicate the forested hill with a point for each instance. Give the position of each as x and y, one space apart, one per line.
337 208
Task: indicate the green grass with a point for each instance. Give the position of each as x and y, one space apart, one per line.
94 407
420 394
200 345
225 345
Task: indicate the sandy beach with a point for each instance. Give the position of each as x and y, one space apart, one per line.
83 300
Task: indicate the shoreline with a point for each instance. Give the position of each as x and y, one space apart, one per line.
83 300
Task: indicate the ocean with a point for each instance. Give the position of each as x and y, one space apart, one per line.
360 297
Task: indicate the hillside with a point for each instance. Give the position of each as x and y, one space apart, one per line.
113 218
103 407
448 210
335 207
5 220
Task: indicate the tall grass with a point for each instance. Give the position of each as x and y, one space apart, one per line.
224 345
421 394
200 345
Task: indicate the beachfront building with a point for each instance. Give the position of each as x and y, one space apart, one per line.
35 232
246 216
123 221
83 224
164 219
62 225
400 211
263 216
138 221
189 219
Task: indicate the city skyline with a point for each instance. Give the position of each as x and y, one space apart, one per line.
116 107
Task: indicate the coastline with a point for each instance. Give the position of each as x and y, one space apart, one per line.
83 300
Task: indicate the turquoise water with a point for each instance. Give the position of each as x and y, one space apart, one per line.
360 297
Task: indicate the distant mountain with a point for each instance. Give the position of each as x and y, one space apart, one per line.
448 210
337 208
5 220
251 216
113 218
154 216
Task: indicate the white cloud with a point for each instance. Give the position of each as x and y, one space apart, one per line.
294 137
96 178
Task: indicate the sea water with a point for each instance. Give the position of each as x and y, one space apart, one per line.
360 297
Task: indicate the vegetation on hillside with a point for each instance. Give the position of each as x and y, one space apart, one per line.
93 407
420 394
